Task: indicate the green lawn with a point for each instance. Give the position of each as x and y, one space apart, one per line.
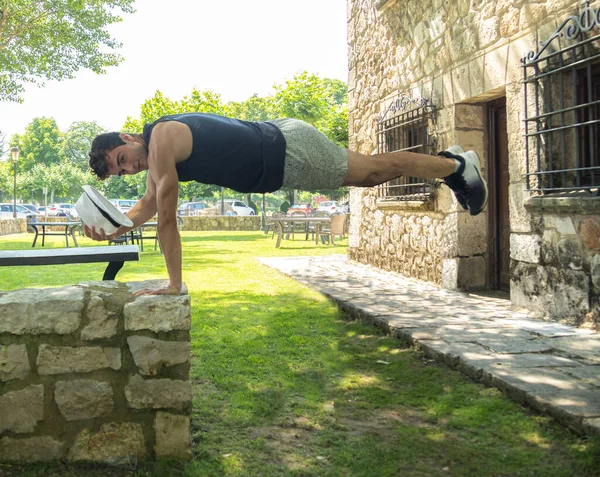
285 386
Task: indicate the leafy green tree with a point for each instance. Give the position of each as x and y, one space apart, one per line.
254 108
303 97
52 39
41 143
77 142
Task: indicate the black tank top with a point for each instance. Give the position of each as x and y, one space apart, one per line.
241 155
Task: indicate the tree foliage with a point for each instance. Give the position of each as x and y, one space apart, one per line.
77 142
52 39
41 143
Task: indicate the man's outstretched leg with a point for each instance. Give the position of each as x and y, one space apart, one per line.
460 170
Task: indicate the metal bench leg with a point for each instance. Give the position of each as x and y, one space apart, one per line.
112 269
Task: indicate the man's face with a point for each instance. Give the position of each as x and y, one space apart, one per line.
130 158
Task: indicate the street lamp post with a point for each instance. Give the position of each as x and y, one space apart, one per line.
15 157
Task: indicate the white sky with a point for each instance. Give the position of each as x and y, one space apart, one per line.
234 47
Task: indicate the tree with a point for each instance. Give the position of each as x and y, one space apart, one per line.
254 108
303 97
41 143
52 39
77 142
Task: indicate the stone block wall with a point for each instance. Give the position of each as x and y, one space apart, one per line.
91 373
556 264
222 222
12 226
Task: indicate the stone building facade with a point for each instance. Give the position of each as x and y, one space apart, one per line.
516 81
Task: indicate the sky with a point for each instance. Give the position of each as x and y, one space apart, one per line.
233 47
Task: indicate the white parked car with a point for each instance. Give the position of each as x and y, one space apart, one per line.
331 206
6 212
124 205
238 207
62 210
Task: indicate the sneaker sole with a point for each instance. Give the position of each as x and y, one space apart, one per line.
474 158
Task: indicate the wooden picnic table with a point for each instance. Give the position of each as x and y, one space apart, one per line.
115 256
69 230
279 222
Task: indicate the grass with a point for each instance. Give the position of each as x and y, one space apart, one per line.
286 386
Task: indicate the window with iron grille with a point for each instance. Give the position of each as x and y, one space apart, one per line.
407 130
562 108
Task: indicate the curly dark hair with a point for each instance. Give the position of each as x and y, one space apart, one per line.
101 145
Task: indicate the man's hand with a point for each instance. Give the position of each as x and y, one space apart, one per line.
99 235
170 290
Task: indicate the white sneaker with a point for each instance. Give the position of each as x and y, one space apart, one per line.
468 185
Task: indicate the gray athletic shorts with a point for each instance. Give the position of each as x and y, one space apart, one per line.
312 161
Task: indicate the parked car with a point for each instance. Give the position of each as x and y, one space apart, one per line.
6 212
238 207
331 206
124 205
31 207
301 207
62 210
191 208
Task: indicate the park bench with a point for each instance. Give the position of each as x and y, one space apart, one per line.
115 256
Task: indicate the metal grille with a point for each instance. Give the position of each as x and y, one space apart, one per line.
408 130
562 108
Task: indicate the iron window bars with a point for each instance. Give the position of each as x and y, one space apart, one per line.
562 109
406 130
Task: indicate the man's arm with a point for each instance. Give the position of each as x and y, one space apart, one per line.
169 141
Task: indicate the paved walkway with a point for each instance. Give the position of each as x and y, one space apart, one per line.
548 366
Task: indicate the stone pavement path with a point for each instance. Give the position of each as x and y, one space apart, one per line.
551 367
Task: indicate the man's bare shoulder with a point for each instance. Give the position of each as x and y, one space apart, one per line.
174 136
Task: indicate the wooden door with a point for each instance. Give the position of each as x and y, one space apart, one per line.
499 210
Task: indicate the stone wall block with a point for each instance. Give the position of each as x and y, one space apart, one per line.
590 234
541 288
595 272
115 443
550 239
14 363
158 394
31 449
520 217
489 31
471 274
525 248
151 355
83 399
494 74
472 234
450 273
468 116
102 323
570 253
158 313
41 311
20 411
63 359
531 15
509 22
563 224
173 439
